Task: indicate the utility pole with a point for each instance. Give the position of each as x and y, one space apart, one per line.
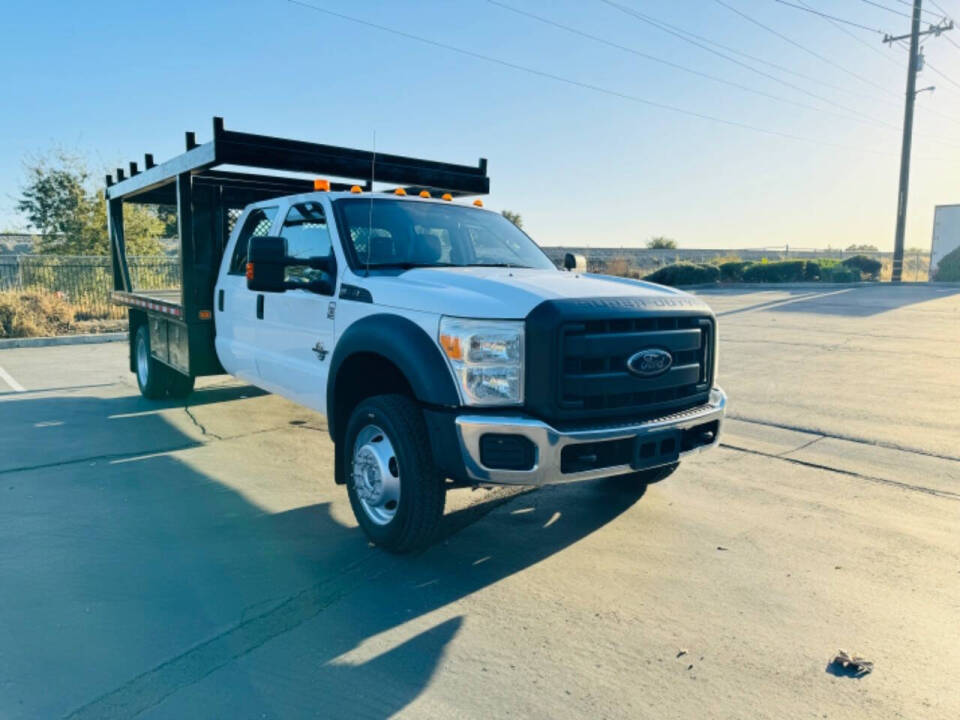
913 67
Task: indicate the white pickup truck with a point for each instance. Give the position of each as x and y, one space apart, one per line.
444 348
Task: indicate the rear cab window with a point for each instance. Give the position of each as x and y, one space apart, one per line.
257 224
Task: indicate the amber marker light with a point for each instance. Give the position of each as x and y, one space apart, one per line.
424 193
478 203
451 346
321 185
356 189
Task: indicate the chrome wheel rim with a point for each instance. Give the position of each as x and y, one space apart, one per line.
375 474
143 360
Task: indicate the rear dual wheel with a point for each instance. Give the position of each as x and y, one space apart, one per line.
155 379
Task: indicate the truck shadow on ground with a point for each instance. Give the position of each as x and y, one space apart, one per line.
142 585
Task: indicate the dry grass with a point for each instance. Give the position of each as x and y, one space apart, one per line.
42 313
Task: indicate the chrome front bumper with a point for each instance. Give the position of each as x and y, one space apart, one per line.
549 442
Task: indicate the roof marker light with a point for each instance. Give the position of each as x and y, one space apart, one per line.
399 191
478 203
356 189
446 196
319 184
425 193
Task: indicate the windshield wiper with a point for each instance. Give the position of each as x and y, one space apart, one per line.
505 265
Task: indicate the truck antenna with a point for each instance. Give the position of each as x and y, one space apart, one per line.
373 172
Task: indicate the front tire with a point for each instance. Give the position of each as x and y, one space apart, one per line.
396 492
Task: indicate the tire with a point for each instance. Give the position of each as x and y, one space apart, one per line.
178 384
647 477
152 375
396 492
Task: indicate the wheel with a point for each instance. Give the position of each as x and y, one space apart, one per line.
648 477
151 374
396 493
178 384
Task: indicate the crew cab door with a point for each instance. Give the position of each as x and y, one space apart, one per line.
235 305
295 337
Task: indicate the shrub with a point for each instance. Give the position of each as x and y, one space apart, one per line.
811 271
839 273
32 313
685 274
948 269
732 271
866 265
774 272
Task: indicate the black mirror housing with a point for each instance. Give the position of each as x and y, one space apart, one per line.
266 263
572 261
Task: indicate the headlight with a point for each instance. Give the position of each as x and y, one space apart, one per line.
486 357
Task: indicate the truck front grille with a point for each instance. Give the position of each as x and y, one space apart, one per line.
594 358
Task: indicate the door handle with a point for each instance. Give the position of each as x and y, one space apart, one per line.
220 300
260 307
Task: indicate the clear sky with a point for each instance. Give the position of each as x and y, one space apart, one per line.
112 80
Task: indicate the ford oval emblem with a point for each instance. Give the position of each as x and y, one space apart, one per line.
650 362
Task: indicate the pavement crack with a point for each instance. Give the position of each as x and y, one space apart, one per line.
946 494
202 428
802 447
847 438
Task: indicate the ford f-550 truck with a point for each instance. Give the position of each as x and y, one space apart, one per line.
442 345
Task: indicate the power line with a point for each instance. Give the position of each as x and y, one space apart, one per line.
796 44
928 12
570 81
668 63
678 31
832 17
854 36
682 35
886 57
887 8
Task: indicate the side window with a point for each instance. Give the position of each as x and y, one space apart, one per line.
258 224
307 235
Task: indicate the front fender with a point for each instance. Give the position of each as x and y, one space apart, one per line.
408 347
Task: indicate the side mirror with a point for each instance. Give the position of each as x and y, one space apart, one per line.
574 262
266 262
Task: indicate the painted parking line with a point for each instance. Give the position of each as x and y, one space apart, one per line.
8 379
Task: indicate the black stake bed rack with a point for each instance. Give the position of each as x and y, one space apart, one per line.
208 201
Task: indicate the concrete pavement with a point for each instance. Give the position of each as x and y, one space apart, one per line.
172 561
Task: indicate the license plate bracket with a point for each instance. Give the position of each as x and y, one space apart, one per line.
656 448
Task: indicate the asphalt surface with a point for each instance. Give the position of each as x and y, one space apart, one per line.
171 561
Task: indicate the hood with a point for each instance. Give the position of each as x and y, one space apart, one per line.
507 293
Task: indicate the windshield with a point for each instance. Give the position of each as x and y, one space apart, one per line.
386 233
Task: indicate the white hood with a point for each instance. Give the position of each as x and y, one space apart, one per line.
487 292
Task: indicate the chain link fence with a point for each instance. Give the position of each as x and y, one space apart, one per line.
85 282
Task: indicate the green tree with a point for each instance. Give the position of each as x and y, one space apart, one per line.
662 243
71 219
862 248
513 217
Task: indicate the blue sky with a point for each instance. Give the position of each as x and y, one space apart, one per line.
112 80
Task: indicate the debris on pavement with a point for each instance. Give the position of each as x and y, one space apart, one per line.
681 652
844 665
721 547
